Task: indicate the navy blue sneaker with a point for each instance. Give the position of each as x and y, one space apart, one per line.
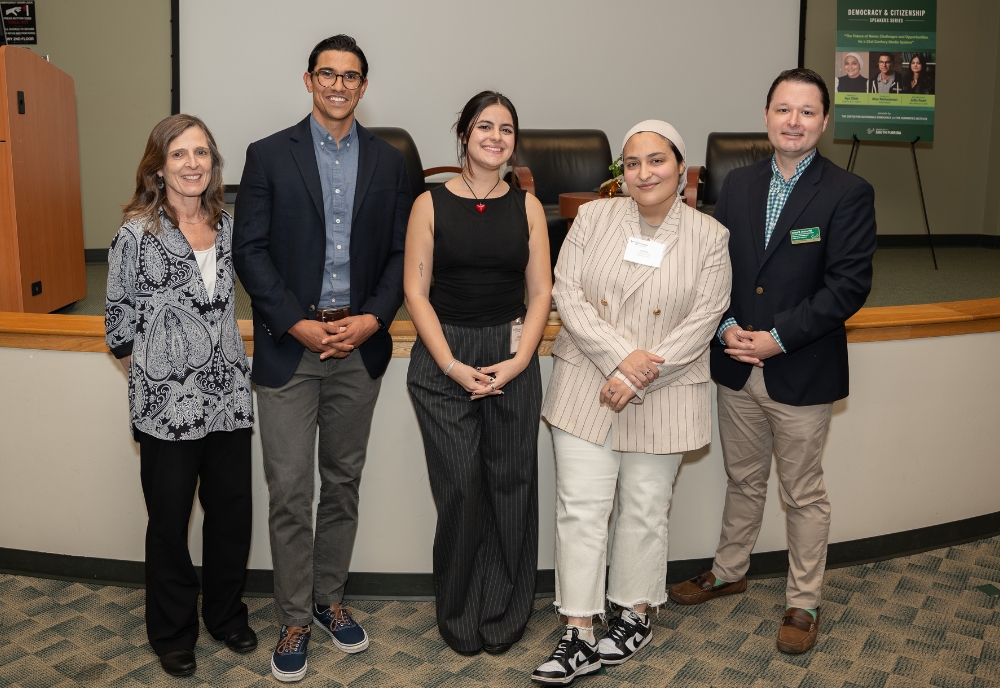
288 663
347 634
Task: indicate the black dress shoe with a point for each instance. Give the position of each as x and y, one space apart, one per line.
468 653
178 663
497 649
243 640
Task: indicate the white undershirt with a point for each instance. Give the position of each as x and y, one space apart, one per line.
206 264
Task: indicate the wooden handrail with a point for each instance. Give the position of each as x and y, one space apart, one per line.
521 176
447 169
523 179
86 332
694 175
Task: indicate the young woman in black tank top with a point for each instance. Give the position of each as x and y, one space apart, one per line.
478 403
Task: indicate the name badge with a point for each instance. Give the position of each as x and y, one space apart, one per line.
515 334
805 236
645 252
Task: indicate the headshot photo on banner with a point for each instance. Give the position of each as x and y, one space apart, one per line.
885 64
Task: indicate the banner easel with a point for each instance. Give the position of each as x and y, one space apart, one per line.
853 158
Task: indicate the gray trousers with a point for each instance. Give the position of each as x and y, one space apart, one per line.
339 396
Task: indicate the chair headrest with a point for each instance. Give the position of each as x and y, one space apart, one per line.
564 160
728 150
401 140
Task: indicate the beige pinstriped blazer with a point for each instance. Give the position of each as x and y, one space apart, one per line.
611 307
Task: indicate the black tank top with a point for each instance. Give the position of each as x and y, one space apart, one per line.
479 258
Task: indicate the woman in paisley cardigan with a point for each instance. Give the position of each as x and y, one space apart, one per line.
171 323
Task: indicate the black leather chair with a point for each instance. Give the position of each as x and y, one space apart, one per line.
724 153
562 161
401 140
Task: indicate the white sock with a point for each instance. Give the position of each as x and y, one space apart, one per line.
586 634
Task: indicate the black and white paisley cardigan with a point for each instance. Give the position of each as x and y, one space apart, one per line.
189 374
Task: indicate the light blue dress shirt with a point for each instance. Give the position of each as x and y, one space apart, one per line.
338 175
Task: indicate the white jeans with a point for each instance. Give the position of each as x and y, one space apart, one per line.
587 479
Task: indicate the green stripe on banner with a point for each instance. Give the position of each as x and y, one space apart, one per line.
883 115
899 100
883 132
888 39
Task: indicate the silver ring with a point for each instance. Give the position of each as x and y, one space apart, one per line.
648 371
491 388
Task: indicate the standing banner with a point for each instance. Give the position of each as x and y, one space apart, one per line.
886 61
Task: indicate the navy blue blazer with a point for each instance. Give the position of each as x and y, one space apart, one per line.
279 244
807 291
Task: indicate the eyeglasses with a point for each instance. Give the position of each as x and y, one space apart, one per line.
328 79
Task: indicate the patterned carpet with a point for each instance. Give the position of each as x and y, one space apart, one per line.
912 621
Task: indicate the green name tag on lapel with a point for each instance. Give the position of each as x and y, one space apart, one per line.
805 236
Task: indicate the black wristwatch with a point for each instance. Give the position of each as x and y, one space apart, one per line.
381 325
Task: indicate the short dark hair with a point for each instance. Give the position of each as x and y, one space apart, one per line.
892 58
801 76
343 43
470 115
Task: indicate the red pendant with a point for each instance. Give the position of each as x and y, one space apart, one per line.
481 207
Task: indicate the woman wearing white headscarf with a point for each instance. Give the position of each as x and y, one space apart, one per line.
641 284
852 81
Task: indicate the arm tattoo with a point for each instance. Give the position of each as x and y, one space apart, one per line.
421 269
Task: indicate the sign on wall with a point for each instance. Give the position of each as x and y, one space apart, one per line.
19 22
886 63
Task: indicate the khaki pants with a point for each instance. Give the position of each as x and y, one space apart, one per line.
751 426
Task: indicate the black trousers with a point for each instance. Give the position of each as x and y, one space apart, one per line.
482 459
170 473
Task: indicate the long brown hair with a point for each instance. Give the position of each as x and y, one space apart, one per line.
149 198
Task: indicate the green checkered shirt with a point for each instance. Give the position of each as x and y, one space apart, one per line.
777 195
780 191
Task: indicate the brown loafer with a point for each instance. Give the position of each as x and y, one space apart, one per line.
798 631
702 588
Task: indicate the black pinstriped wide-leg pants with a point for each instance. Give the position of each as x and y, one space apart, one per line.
482 459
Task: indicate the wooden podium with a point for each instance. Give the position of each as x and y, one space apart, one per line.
42 266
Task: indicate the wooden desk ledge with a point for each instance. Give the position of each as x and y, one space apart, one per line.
86 332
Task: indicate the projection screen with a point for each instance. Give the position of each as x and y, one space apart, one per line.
702 66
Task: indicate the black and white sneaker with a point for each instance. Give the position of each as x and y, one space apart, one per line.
628 633
573 657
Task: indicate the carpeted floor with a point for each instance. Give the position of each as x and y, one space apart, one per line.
902 276
912 621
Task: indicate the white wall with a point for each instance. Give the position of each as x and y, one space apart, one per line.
915 445
703 66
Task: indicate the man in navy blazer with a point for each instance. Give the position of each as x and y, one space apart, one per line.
801 240
318 245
